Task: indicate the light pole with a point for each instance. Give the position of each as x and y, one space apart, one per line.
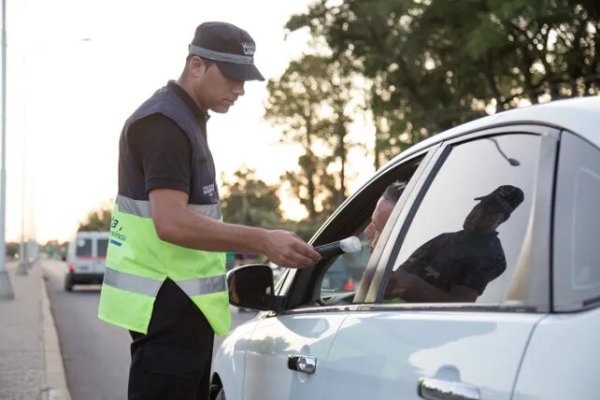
6 291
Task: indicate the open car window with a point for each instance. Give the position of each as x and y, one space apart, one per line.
337 280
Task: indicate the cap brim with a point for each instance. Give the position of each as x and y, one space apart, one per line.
240 72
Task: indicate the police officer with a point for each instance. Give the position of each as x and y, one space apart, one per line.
457 266
165 275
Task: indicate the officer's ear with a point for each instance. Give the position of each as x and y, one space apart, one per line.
197 65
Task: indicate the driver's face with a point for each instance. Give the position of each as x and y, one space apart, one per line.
381 214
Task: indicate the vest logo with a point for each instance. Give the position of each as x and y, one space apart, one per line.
115 232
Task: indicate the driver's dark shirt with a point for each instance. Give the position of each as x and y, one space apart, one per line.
458 258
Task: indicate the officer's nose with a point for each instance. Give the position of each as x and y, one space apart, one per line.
238 88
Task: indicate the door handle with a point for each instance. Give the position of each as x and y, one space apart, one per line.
437 389
305 364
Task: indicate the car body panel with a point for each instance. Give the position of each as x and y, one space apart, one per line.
561 361
273 341
382 355
229 360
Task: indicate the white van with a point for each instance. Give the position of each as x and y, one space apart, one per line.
86 259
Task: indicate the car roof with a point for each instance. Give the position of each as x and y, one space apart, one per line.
92 234
579 115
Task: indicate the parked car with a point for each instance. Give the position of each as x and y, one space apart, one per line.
86 259
530 334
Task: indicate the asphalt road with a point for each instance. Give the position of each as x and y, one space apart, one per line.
95 354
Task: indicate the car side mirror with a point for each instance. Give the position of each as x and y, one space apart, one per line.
251 286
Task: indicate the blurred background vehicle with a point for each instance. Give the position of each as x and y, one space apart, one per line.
86 259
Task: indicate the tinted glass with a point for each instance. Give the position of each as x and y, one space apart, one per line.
586 230
466 236
577 226
83 248
102 244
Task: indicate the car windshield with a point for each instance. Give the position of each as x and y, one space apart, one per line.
84 248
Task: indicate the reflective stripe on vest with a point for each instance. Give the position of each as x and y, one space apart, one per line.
150 287
141 208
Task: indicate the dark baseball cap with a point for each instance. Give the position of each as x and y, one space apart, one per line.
230 47
505 198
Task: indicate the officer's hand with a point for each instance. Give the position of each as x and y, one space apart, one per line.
286 249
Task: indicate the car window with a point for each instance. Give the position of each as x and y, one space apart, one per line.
577 227
346 271
466 236
342 276
102 244
83 247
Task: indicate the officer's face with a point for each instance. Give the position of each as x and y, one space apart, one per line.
482 218
381 214
213 90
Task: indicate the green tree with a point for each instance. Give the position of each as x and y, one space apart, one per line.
435 64
98 220
250 201
12 249
312 103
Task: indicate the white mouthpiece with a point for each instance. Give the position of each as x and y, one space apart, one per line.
350 244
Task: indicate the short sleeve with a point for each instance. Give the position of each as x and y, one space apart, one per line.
164 152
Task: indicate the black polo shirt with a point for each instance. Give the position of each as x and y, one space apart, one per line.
162 151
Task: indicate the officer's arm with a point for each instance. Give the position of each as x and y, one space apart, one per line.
176 224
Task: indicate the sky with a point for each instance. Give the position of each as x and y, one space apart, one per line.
78 68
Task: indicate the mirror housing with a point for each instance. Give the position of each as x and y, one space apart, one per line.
251 286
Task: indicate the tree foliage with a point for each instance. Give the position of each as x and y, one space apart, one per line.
312 103
12 249
97 220
435 64
250 201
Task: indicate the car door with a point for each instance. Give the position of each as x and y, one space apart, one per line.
284 347
396 347
570 366
101 246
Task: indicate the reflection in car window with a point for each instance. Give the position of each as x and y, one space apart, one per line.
467 233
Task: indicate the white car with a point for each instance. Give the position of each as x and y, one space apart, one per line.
532 330
86 258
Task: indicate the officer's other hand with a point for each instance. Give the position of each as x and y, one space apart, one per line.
286 249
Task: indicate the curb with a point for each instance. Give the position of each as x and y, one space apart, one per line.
55 382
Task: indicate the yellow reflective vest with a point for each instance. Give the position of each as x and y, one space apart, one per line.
138 261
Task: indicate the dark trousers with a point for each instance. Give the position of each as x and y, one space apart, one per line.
173 360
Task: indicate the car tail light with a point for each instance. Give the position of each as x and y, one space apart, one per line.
71 267
349 285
